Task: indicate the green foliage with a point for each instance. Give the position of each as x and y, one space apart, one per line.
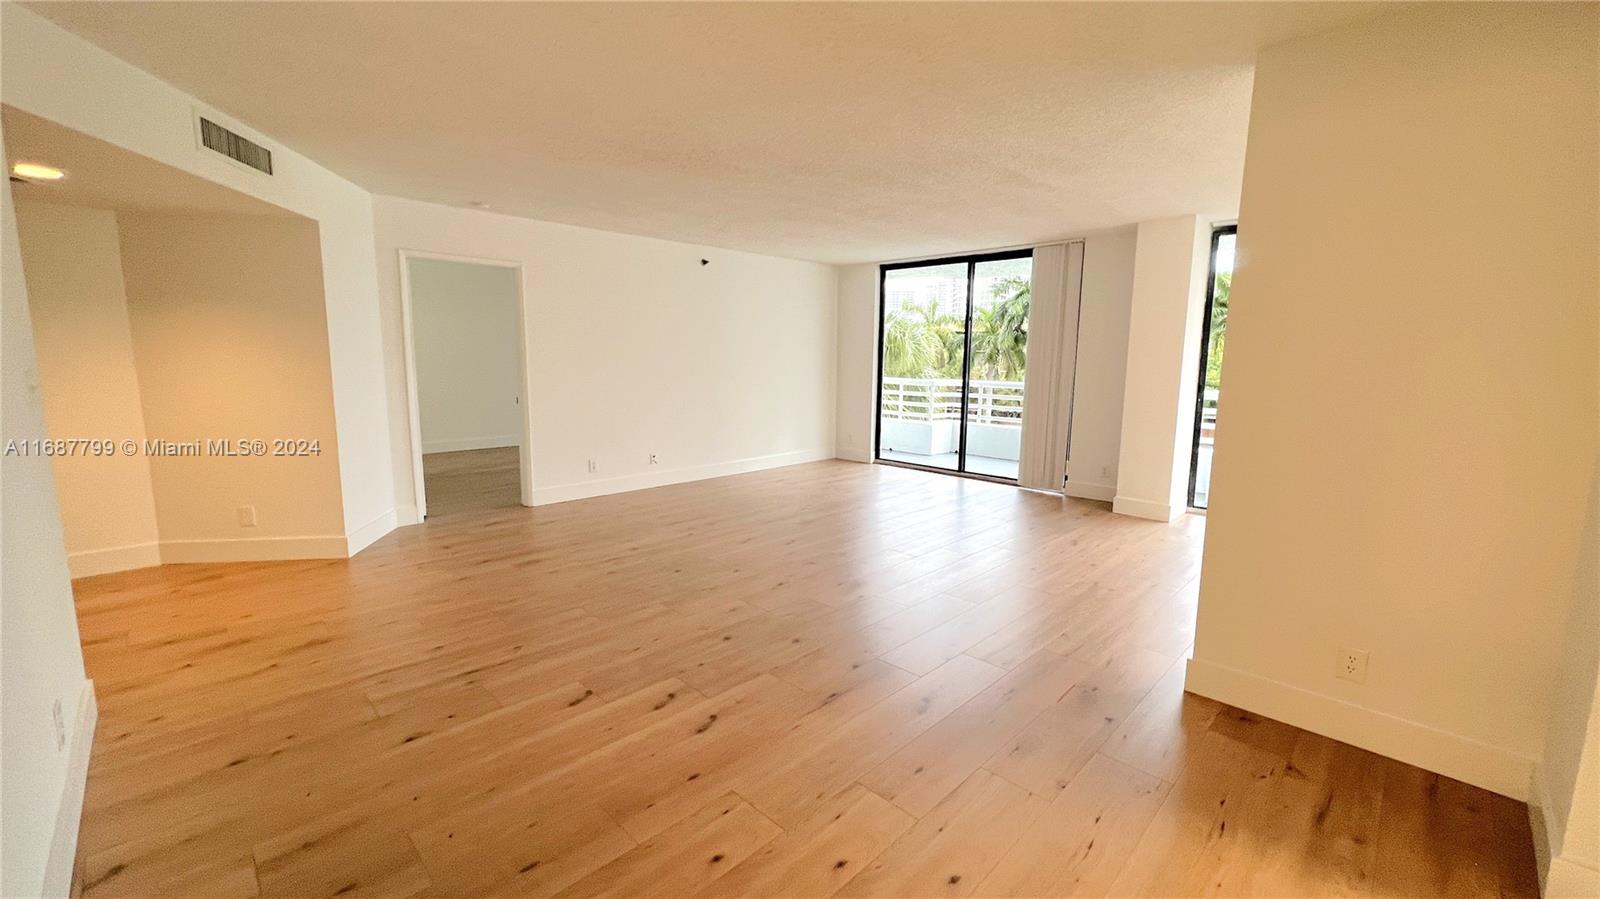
1219 327
909 349
1000 333
920 342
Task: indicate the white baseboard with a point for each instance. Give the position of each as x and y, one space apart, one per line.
90 562
69 814
1453 755
544 496
1144 508
1083 490
371 532
405 516
255 549
1560 875
852 455
241 549
469 443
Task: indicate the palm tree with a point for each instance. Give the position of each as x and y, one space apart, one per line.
1000 332
921 341
910 350
1219 328
947 333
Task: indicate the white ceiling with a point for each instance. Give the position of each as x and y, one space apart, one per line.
836 132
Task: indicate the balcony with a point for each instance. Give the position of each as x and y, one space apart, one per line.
921 424
1204 447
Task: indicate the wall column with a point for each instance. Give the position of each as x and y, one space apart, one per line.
1171 261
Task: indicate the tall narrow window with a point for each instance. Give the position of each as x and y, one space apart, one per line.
1213 340
952 356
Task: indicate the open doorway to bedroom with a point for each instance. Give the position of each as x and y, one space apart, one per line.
465 325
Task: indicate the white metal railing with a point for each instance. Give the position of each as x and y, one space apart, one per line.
939 399
1208 415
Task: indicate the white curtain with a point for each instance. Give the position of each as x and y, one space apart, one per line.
1052 360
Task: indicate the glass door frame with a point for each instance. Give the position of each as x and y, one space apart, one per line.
971 260
1205 360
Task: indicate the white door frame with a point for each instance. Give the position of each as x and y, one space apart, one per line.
525 439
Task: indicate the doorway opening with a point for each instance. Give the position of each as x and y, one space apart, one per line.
1213 339
952 354
465 361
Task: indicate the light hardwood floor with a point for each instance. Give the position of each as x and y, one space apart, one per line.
471 480
823 679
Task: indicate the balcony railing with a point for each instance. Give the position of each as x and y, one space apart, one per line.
1208 415
939 399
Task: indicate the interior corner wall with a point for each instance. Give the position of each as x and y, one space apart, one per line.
1565 804
858 361
1171 260
73 262
1411 385
464 322
41 663
51 73
1102 363
636 348
1571 867
230 337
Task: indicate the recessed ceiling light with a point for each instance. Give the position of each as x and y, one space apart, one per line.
32 171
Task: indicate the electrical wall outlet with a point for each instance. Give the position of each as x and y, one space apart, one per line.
60 725
654 460
247 516
1353 665
593 466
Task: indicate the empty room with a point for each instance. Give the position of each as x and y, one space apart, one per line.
781 449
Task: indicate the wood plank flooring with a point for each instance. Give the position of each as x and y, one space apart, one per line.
828 679
471 480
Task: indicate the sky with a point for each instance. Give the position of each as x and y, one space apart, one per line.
1225 252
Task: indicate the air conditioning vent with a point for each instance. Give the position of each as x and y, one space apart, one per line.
239 149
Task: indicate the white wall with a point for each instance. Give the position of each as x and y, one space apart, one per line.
1411 419
230 337
51 73
41 665
1102 363
636 348
1573 867
1170 264
464 322
858 361
1565 804
218 332
73 261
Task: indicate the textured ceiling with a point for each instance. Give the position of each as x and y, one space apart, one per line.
836 132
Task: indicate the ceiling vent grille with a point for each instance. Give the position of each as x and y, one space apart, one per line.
239 149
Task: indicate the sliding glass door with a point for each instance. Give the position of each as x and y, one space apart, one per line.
1213 339
952 354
